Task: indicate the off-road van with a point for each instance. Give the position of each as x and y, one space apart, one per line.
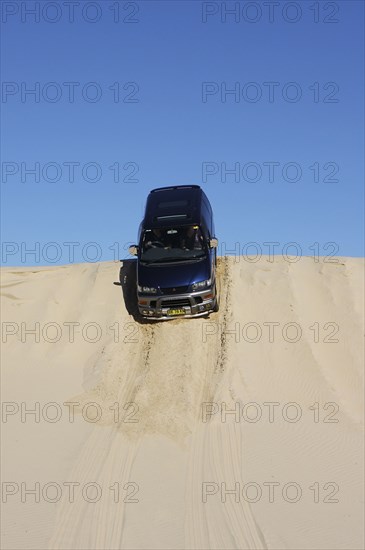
176 254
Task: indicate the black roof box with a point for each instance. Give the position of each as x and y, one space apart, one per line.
175 205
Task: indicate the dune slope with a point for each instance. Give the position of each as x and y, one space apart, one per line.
241 430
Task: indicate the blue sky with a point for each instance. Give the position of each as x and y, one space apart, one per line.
171 62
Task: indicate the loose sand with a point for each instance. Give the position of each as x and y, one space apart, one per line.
243 430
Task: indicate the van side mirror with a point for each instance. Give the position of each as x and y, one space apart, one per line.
213 243
133 250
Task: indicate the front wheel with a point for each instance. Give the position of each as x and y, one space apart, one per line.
216 305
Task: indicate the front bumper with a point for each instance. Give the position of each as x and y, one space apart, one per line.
194 304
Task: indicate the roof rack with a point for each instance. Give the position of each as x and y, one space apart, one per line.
173 216
175 187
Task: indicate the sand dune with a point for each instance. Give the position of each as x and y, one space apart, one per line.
241 430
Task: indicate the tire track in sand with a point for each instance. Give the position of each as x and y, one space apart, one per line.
215 456
107 456
168 374
164 375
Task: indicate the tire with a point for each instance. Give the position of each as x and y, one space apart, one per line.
216 305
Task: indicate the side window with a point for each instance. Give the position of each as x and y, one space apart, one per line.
207 214
212 229
205 232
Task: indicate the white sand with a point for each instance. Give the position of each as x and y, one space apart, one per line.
162 454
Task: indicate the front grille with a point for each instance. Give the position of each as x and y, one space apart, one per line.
174 290
178 302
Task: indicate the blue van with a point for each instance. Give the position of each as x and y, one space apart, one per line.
176 254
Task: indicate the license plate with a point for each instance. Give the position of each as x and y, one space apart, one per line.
176 312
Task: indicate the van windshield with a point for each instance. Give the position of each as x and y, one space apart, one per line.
172 244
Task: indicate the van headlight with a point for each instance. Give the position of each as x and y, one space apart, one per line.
147 289
201 285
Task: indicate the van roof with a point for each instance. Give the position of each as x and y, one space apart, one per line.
175 205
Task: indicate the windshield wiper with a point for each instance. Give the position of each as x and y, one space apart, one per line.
176 259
